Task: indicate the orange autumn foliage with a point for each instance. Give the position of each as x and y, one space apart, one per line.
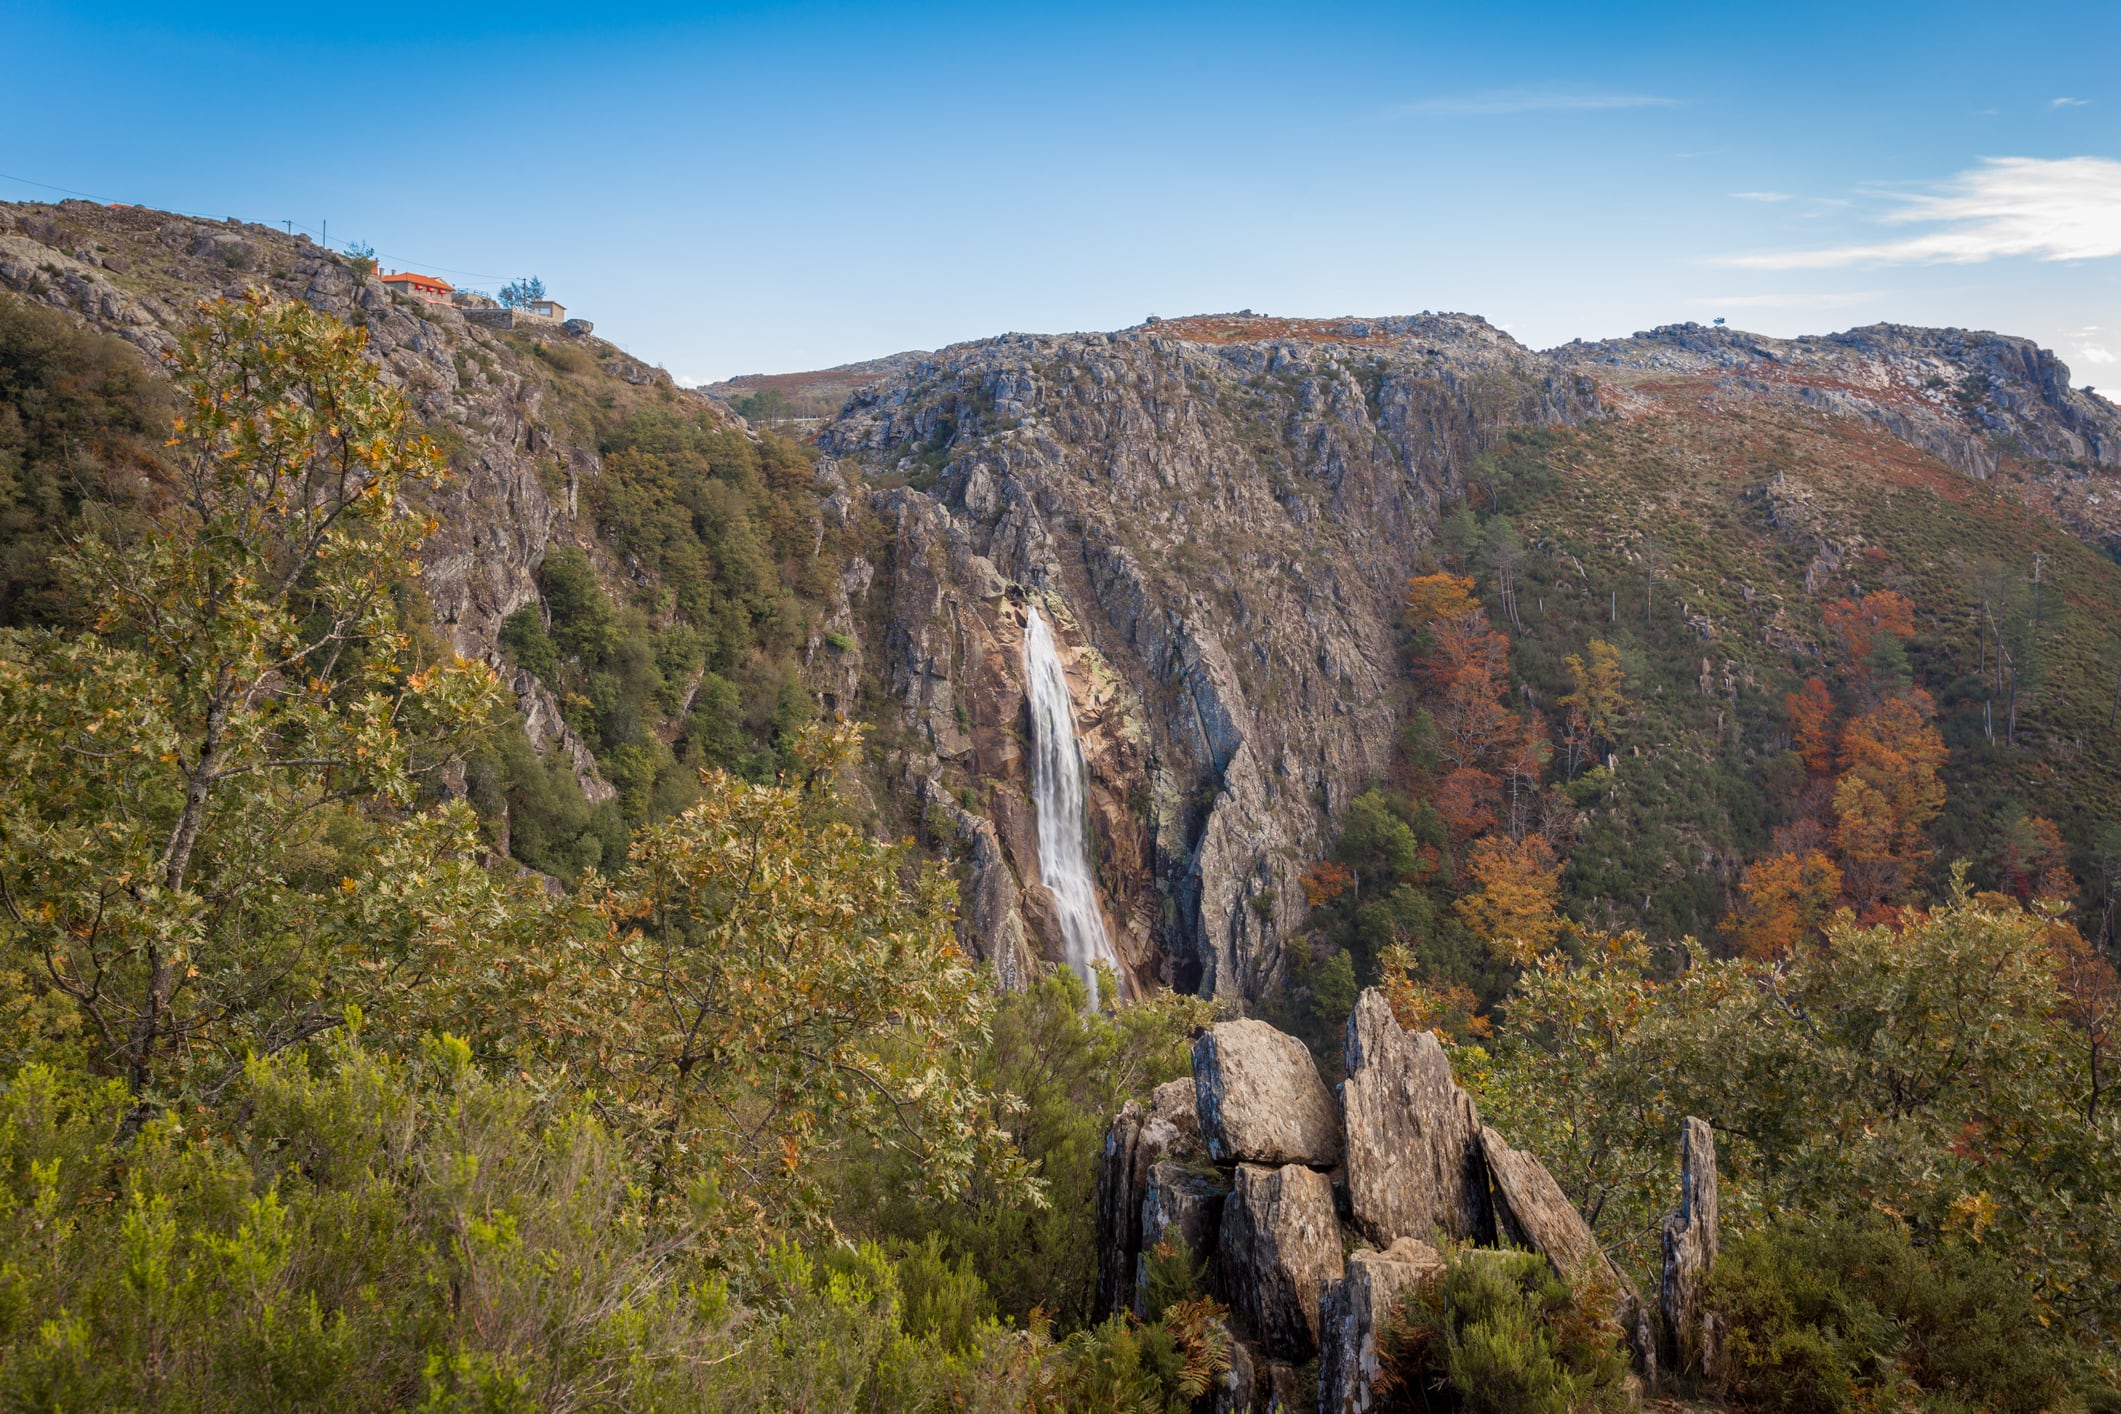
1448 1010
1512 907
1787 898
1859 624
1467 799
1325 881
1888 794
1433 598
1811 714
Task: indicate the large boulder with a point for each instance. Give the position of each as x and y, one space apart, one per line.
1139 1138
1690 1329
1413 1137
1279 1248
1533 1212
1356 1313
1184 1203
1260 1099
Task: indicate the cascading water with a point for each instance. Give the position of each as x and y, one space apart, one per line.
1063 820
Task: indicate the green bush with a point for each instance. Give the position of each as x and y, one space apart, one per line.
1854 1314
1068 1068
1499 1333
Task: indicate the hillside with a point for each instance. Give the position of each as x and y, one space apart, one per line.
1224 511
522 888
656 581
1220 512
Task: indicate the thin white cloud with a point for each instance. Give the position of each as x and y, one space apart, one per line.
2069 103
2092 353
2067 208
1761 195
1499 102
1820 299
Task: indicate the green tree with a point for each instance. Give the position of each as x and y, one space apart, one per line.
188 792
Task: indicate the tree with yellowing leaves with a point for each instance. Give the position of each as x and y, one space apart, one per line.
1513 904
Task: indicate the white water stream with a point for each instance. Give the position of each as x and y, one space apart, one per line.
1057 790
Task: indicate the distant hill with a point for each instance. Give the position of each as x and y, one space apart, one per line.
816 394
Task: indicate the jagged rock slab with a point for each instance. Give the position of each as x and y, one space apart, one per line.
1532 1211
1260 1098
1355 1315
1690 1240
1413 1137
1139 1138
1184 1203
1279 1249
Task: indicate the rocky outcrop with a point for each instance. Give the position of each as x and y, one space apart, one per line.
1260 1098
546 727
1413 1151
1286 1239
1690 1238
1217 516
1138 1139
1279 1250
1986 404
1533 1212
1356 1315
1182 1206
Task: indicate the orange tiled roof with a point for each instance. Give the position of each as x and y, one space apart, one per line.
419 282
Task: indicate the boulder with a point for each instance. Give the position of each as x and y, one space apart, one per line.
1690 1330
1533 1212
1279 1248
1138 1139
1184 1202
1413 1137
1260 1099
1354 1315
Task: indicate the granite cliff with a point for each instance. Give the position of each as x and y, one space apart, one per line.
1217 515
1220 512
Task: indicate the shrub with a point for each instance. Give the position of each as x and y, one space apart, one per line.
1500 1333
1853 1313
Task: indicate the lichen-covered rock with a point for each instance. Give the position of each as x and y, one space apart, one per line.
1279 1249
1260 1098
1690 1329
1533 1212
1138 1139
1353 1317
1184 1204
1413 1137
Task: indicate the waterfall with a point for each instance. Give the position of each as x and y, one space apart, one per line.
1057 790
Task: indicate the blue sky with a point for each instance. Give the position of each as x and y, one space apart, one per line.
744 188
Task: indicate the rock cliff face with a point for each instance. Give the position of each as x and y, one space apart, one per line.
517 456
1217 516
